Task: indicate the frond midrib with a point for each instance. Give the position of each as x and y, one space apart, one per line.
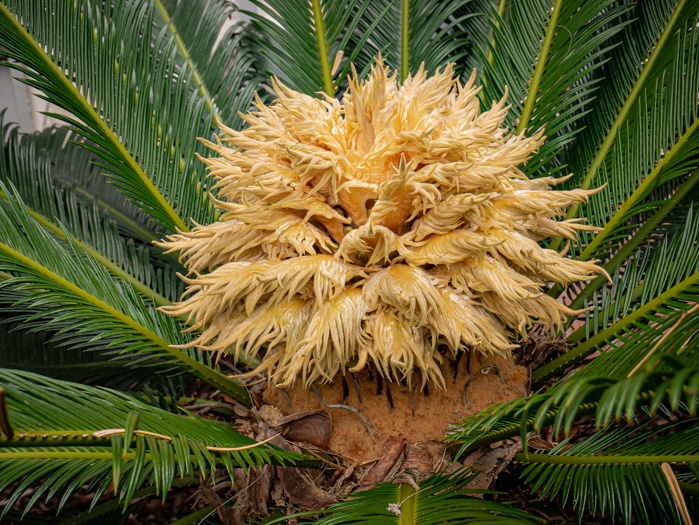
583 349
579 460
200 370
322 48
113 268
103 128
106 455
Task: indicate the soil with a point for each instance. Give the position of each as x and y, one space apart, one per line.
434 409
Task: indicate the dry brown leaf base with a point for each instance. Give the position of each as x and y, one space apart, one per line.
424 428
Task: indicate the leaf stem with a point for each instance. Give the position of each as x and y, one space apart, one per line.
106 455
406 500
322 48
539 71
405 40
555 459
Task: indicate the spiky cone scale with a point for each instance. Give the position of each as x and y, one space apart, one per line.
380 230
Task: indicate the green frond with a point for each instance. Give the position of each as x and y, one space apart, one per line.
618 472
299 41
127 98
439 499
33 164
72 166
650 26
412 32
474 23
647 298
222 67
68 435
555 90
657 144
670 387
39 353
57 286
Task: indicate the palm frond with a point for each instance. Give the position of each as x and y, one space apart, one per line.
36 352
412 33
657 144
642 301
57 286
637 53
221 65
73 167
475 24
299 41
125 96
69 435
553 92
439 499
670 387
618 472
32 165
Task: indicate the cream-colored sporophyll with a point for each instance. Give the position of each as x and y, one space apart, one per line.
385 229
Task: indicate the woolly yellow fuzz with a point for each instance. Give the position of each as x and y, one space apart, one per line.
385 229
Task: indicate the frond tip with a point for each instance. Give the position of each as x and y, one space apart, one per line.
382 229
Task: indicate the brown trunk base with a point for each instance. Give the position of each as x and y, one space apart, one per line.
425 425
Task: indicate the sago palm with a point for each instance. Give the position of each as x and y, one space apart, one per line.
391 186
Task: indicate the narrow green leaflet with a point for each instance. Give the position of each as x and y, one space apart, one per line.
56 286
618 472
440 499
68 435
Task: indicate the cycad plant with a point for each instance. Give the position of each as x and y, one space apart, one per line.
519 171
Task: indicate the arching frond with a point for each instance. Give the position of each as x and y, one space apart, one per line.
53 285
300 41
124 96
646 299
41 168
222 67
441 498
619 471
68 435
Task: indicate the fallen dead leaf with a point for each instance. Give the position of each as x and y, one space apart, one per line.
392 456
